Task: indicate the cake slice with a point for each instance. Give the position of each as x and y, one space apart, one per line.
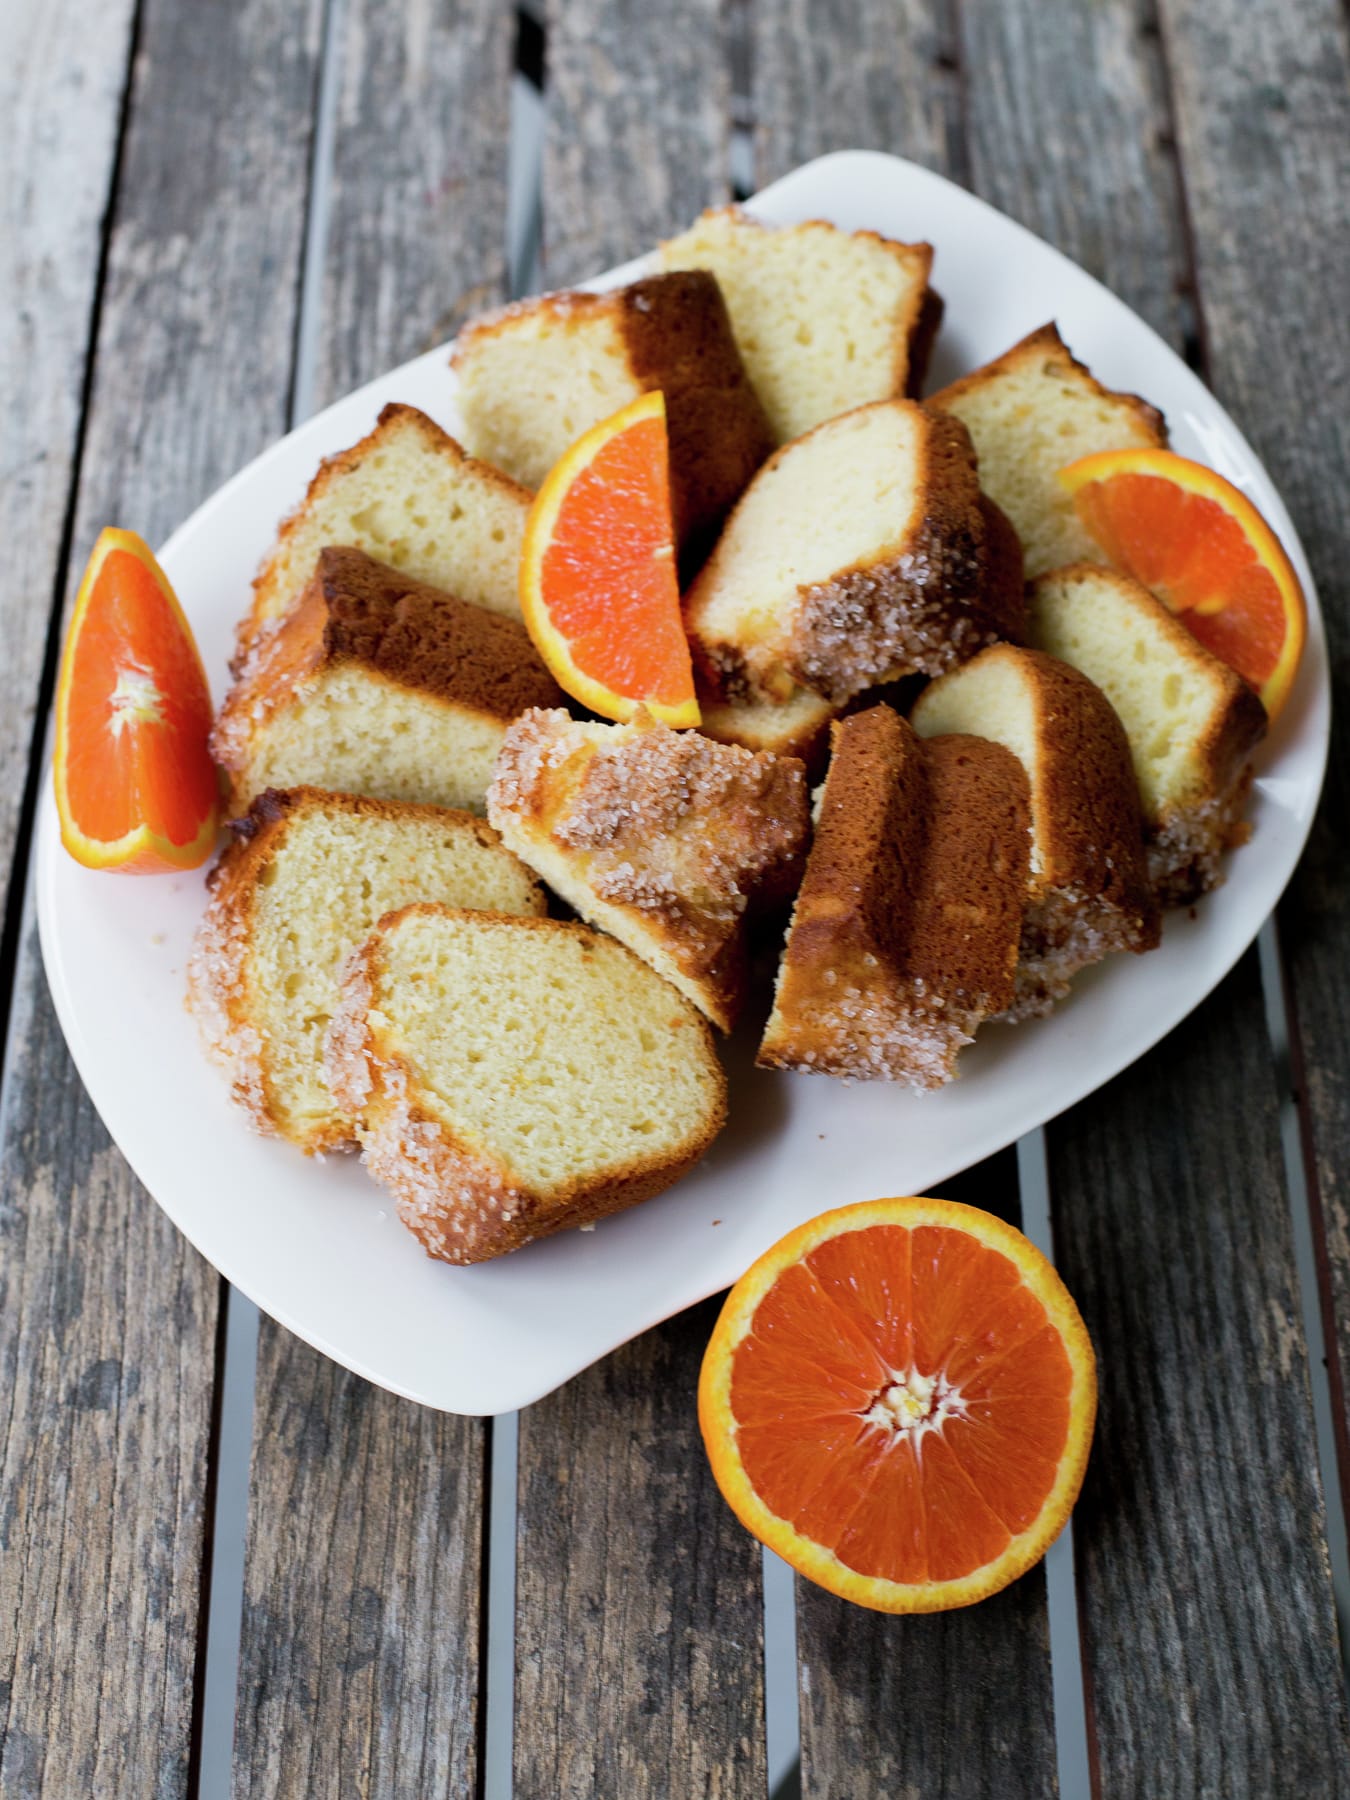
797 726
409 495
905 933
378 684
536 375
1192 722
514 1077
826 320
1087 888
305 880
1030 412
662 838
859 553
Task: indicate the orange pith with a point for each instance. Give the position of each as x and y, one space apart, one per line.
898 1398
136 789
598 585
1205 551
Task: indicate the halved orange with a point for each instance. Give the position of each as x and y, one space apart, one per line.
598 586
898 1398
1205 551
135 785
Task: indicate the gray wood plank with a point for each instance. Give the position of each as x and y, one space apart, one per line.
639 1628
639 106
360 1647
1204 1591
1070 129
1263 100
61 85
361 1643
108 1327
977 1715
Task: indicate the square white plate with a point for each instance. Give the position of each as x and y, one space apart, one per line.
317 1245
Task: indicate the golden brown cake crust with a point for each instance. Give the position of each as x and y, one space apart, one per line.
1004 593
265 607
1047 343
679 839
906 928
221 996
679 339
459 1201
357 610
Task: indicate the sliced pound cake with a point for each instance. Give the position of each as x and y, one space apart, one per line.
1087 888
514 1077
306 879
859 553
905 933
1032 411
797 726
1192 722
408 494
826 320
378 684
662 838
536 375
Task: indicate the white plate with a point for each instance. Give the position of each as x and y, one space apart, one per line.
317 1245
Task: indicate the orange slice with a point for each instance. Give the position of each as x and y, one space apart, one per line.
598 586
135 785
1205 551
898 1398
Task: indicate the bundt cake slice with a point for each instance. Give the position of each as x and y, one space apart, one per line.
859 553
536 375
826 319
662 838
1032 411
514 1077
1087 890
1192 722
904 936
304 881
797 726
409 495
381 685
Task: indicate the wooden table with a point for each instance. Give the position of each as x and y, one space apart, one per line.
218 216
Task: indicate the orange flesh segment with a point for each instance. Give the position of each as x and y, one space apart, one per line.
609 571
857 1313
137 713
1196 557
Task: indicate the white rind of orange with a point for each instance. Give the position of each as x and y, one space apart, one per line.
140 851
556 649
815 1561
1196 478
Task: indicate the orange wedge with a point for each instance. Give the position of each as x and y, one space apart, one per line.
898 1398
1205 551
135 785
598 586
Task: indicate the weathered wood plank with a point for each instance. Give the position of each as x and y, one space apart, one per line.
639 1627
360 1648
638 127
992 1729
1263 100
61 85
108 1326
639 1631
1205 1597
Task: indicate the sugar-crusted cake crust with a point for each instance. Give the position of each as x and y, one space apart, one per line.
462 1203
220 990
266 583
949 590
664 838
679 339
905 931
406 632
